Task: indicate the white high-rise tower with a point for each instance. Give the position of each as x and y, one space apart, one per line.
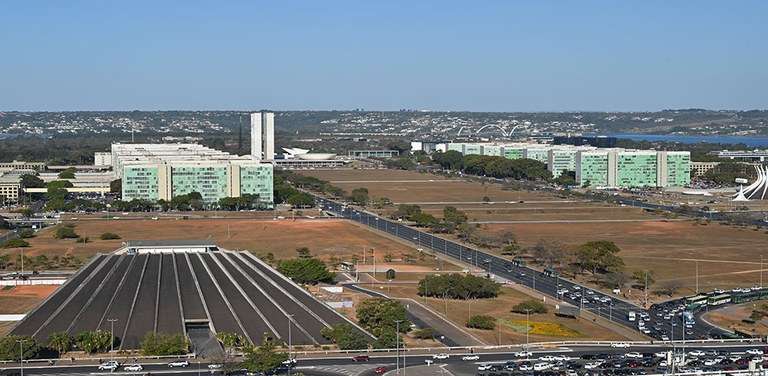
263 135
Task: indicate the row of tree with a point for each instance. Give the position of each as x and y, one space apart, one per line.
458 286
493 166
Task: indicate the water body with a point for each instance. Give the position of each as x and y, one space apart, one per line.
751 141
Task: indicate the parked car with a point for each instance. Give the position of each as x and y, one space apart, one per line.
133 368
179 363
109 366
441 356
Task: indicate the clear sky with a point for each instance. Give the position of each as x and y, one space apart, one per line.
383 55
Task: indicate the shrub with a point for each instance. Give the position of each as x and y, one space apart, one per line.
484 322
94 341
426 333
531 306
65 232
26 233
15 243
9 348
306 270
109 236
164 344
346 337
83 239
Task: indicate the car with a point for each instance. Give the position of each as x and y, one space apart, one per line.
755 352
547 358
592 365
109 366
696 353
526 367
441 356
620 345
523 354
133 368
361 358
484 367
179 363
543 366
470 357
289 362
380 370
215 366
665 337
633 355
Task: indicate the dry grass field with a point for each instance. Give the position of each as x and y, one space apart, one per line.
725 256
730 317
324 238
21 299
543 327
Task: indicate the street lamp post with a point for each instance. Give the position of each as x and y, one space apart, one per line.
111 335
290 344
21 354
397 346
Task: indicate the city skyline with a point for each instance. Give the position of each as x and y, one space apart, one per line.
497 56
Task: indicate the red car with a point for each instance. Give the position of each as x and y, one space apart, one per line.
380 370
361 358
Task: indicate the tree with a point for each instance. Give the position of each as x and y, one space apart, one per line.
378 316
65 232
530 306
306 271
549 252
453 215
60 342
451 160
15 243
300 200
31 181
458 286
303 253
94 341
566 178
160 344
643 277
406 211
230 340
10 349
615 279
424 333
600 256
69 173
109 236
669 287
263 358
484 322
360 196
346 337
116 186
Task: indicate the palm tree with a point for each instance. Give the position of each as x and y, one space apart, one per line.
60 341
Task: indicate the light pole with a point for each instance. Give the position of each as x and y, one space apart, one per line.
397 346
527 327
290 344
21 354
111 335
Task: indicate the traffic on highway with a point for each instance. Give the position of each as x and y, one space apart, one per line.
663 322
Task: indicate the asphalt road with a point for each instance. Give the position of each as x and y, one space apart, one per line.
318 366
613 308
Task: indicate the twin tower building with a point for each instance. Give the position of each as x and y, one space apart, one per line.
263 136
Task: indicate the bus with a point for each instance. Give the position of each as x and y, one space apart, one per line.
631 316
719 299
693 303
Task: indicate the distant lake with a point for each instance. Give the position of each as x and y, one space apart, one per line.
751 141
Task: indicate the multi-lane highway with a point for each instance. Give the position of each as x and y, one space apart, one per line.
611 359
602 304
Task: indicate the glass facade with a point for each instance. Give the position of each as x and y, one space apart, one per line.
540 155
562 160
257 180
492 150
140 183
636 169
593 169
211 182
678 169
473 149
513 153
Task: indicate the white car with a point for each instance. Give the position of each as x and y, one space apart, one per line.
179 363
109 366
633 355
711 362
523 354
441 356
525 367
592 365
755 352
620 345
289 362
541 366
547 358
661 354
484 367
470 357
133 368
215 366
696 353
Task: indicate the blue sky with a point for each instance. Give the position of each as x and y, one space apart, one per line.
383 55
